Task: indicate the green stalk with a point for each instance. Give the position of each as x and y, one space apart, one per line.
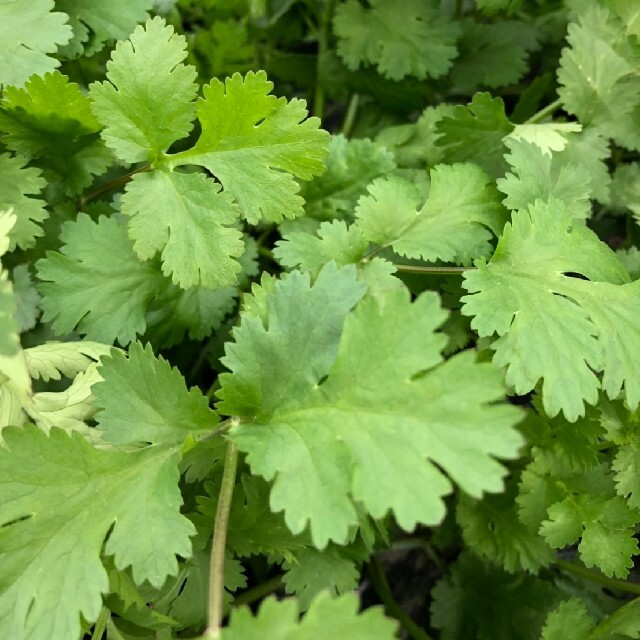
120 181
543 113
598 578
382 588
258 592
101 624
323 46
436 271
350 116
218 546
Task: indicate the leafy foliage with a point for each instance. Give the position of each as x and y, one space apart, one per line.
389 348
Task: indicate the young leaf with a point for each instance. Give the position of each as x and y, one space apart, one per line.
146 103
254 143
552 325
327 618
403 38
570 621
369 432
455 224
160 411
29 30
51 557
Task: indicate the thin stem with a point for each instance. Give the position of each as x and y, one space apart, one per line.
373 254
258 592
459 7
598 578
543 113
223 427
350 116
218 546
323 45
436 271
109 186
101 624
381 585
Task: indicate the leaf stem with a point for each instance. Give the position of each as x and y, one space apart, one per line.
323 45
350 116
382 588
598 578
258 592
436 271
218 546
543 113
101 624
458 10
109 186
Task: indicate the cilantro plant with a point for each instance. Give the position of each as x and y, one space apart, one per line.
319 319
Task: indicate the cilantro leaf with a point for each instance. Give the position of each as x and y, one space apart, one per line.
540 176
606 528
351 166
406 38
29 30
146 103
552 325
312 571
95 23
9 327
327 618
378 420
160 412
137 491
52 360
254 143
188 225
97 283
18 185
474 133
598 78
455 224
50 121
27 298
570 621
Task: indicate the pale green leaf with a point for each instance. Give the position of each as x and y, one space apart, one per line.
552 325
51 557
188 225
29 30
570 621
143 399
146 103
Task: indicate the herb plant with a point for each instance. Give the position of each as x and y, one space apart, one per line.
292 289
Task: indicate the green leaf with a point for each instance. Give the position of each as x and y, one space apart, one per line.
52 360
492 54
598 76
455 224
626 466
552 325
160 411
95 23
18 185
541 176
51 557
474 133
351 166
97 284
29 30
625 189
188 225
400 39
312 571
369 431
254 143
570 621
50 122
625 623
146 103
606 527
492 6
327 618
9 323
27 298
548 136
